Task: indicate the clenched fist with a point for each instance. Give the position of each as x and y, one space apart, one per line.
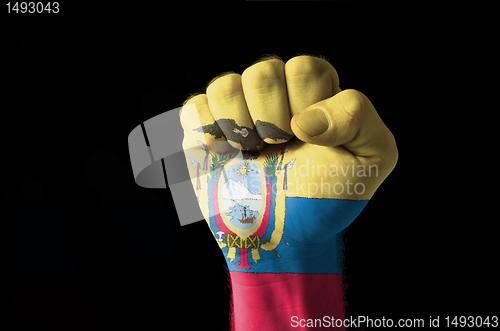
281 161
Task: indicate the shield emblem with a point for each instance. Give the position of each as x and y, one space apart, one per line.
242 196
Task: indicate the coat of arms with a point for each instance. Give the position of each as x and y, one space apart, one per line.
245 202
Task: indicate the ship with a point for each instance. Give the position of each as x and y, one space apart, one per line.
244 219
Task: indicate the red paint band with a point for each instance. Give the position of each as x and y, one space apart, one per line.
265 301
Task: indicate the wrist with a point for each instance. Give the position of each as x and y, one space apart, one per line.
270 301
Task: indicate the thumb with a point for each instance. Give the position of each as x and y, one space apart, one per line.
347 119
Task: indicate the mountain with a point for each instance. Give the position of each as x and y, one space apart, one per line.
236 190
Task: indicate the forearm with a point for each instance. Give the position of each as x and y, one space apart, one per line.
269 301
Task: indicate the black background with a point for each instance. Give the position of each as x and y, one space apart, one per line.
81 82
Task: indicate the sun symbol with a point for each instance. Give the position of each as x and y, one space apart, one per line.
243 170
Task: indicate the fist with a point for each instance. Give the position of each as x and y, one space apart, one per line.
281 152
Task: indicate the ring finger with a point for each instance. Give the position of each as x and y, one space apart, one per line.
229 108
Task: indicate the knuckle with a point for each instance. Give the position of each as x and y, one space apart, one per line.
263 74
353 102
304 66
197 99
195 107
185 113
191 105
225 87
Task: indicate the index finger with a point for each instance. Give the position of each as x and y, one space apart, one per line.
309 80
